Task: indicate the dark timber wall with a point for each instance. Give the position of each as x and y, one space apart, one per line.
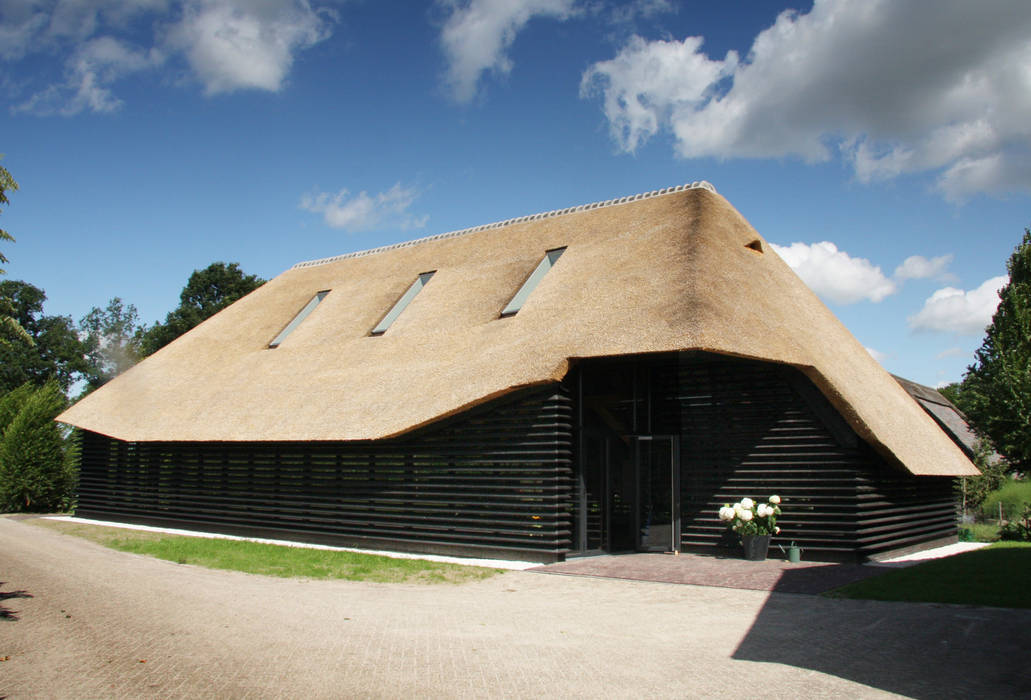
757 430
749 428
499 480
494 481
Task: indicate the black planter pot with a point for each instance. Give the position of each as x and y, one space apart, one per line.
756 546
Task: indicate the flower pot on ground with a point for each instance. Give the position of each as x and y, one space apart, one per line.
755 522
756 546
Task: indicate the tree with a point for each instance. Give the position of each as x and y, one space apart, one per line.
7 319
7 184
996 390
56 352
112 341
37 462
207 292
953 392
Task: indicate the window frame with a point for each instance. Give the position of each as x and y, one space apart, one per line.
519 299
402 303
298 318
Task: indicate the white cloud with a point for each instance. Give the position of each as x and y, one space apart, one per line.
89 73
873 81
836 275
27 26
363 212
228 44
951 352
241 44
877 355
628 12
951 310
649 82
987 173
917 267
20 23
478 34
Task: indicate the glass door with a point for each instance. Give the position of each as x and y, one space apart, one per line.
658 512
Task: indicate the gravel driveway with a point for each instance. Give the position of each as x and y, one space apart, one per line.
79 621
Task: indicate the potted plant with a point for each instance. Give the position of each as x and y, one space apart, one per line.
755 522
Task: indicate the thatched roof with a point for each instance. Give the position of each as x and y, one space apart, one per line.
676 269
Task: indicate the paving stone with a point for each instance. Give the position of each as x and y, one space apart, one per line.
96 613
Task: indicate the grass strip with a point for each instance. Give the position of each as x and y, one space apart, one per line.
982 532
995 576
271 559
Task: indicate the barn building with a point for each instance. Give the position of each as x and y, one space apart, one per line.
595 379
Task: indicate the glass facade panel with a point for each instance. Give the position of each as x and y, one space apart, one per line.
656 494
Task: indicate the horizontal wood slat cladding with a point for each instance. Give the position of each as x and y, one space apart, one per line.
497 479
757 429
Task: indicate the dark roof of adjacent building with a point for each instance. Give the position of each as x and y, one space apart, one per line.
945 413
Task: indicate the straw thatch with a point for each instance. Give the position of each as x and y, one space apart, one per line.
677 269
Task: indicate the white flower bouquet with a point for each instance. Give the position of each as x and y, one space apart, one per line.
746 517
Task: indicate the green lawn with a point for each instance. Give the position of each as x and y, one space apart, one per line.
995 576
269 559
982 532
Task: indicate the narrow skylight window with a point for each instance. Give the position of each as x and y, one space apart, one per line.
301 315
403 302
532 281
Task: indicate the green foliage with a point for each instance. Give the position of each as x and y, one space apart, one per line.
1013 495
37 470
953 392
112 341
207 292
12 402
979 532
8 323
1019 528
56 352
993 475
996 391
7 184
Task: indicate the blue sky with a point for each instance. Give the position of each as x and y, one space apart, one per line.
883 146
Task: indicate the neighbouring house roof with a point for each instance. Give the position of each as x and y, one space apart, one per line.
671 270
945 413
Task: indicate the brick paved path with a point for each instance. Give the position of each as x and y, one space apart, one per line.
729 572
106 624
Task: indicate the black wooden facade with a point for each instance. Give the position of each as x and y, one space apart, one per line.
740 428
493 481
602 462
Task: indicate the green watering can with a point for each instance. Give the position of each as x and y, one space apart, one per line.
793 552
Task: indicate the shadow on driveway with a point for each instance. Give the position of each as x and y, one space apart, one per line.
920 650
5 612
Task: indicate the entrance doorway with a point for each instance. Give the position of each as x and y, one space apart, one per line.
630 491
657 503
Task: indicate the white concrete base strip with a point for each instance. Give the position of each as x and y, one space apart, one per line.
465 561
937 553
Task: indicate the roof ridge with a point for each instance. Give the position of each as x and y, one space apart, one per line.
697 184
